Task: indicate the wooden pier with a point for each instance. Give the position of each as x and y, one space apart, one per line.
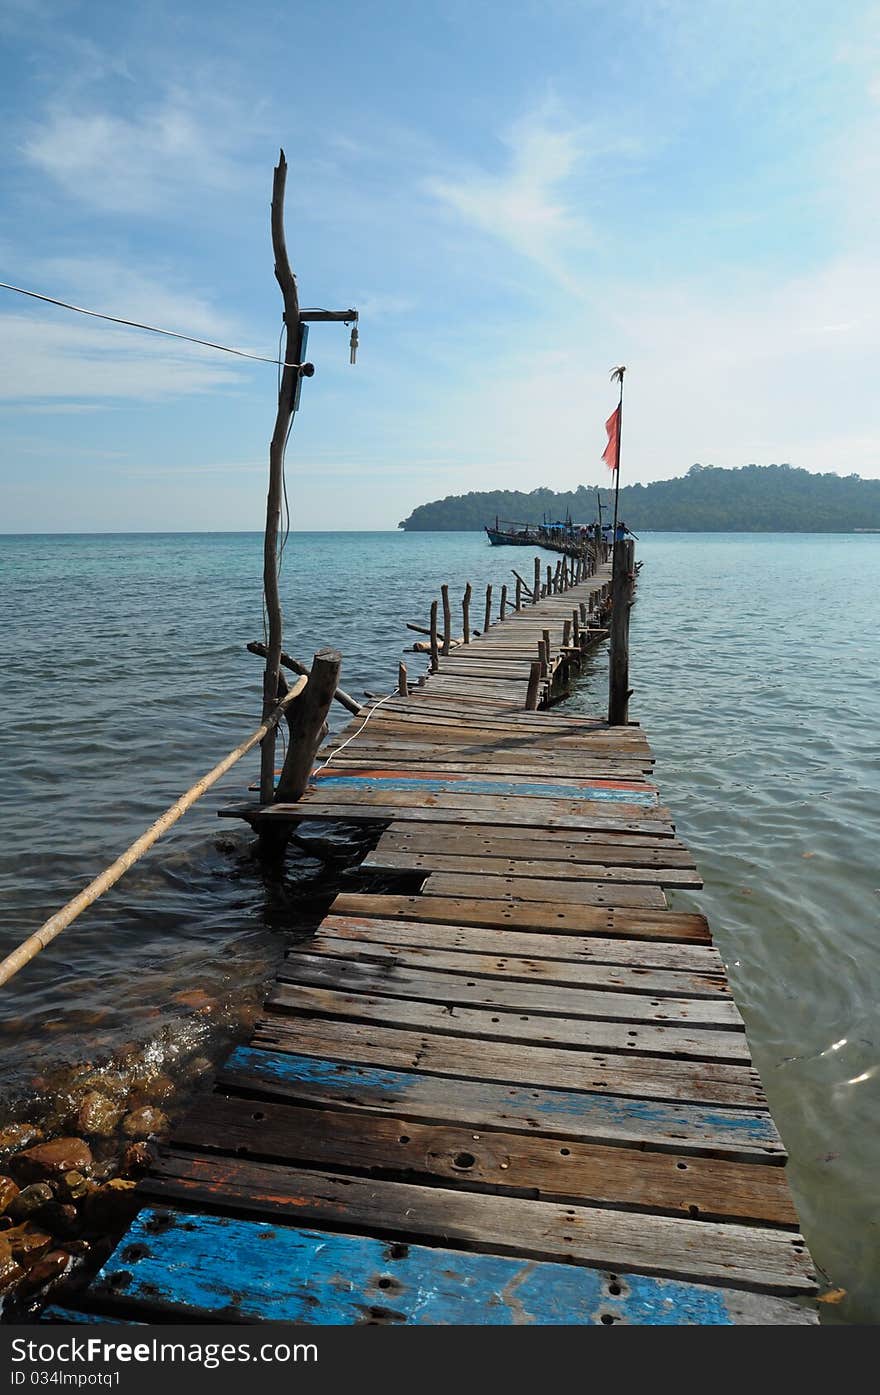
518 1090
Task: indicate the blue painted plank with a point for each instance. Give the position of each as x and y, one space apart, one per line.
468 785
736 1132
189 1265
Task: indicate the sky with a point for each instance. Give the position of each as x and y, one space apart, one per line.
516 196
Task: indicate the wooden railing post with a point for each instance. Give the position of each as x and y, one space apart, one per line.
487 620
536 593
402 689
619 691
435 656
466 613
308 724
534 686
447 619
502 608
518 601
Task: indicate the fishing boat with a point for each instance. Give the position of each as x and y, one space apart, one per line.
568 537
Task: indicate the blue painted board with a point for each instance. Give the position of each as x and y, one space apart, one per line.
738 1132
467 785
191 1265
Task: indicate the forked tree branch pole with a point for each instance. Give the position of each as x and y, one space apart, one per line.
38 941
286 398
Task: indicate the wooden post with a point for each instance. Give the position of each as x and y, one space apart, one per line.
619 691
447 619
402 689
566 633
549 580
519 593
542 658
576 627
286 396
583 610
309 725
435 660
487 621
466 613
534 686
536 593
502 609
545 635
287 661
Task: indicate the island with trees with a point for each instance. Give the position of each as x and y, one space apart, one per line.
747 499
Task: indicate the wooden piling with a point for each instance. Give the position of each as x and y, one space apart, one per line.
402 689
502 609
519 587
536 592
435 659
619 691
447 619
534 686
466 613
487 620
309 727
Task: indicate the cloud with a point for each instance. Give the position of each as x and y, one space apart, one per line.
142 162
525 206
48 354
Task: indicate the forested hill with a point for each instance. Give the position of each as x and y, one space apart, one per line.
752 498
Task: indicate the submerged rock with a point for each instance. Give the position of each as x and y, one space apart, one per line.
73 1185
30 1200
8 1192
98 1115
47 1269
143 1122
14 1137
111 1205
137 1158
53 1159
10 1272
27 1243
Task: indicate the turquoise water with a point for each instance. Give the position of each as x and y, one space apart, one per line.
124 676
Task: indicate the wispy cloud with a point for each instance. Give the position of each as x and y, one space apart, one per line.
525 206
139 162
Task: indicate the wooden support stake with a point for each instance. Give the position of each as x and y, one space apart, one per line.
576 626
466 613
519 591
286 396
534 686
536 592
435 660
447 620
402 689
545 635
542 658
502 609
341 696
583 609
619 691
566 633
488 617
549 590
309 726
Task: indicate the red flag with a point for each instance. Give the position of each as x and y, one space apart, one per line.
612 426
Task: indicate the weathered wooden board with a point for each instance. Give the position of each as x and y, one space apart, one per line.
192 1267
547 917
590 848
426 783
656 983
558 1068
533 1167
707 1130
394 980
451 809
756 1257
401 860
496 888
467 939
591 1034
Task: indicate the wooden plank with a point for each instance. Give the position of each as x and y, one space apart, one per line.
445 809
545 918
698 1043
386 860
706 1130
532 1166
507 966
178 1266
621 792
494 888
396 980
758 1257
637 954
592 848
514 1063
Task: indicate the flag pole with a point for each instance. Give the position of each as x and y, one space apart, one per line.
618 374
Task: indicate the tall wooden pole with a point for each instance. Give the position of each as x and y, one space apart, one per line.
286 397
618 373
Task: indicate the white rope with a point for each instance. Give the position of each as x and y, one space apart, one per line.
351 738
